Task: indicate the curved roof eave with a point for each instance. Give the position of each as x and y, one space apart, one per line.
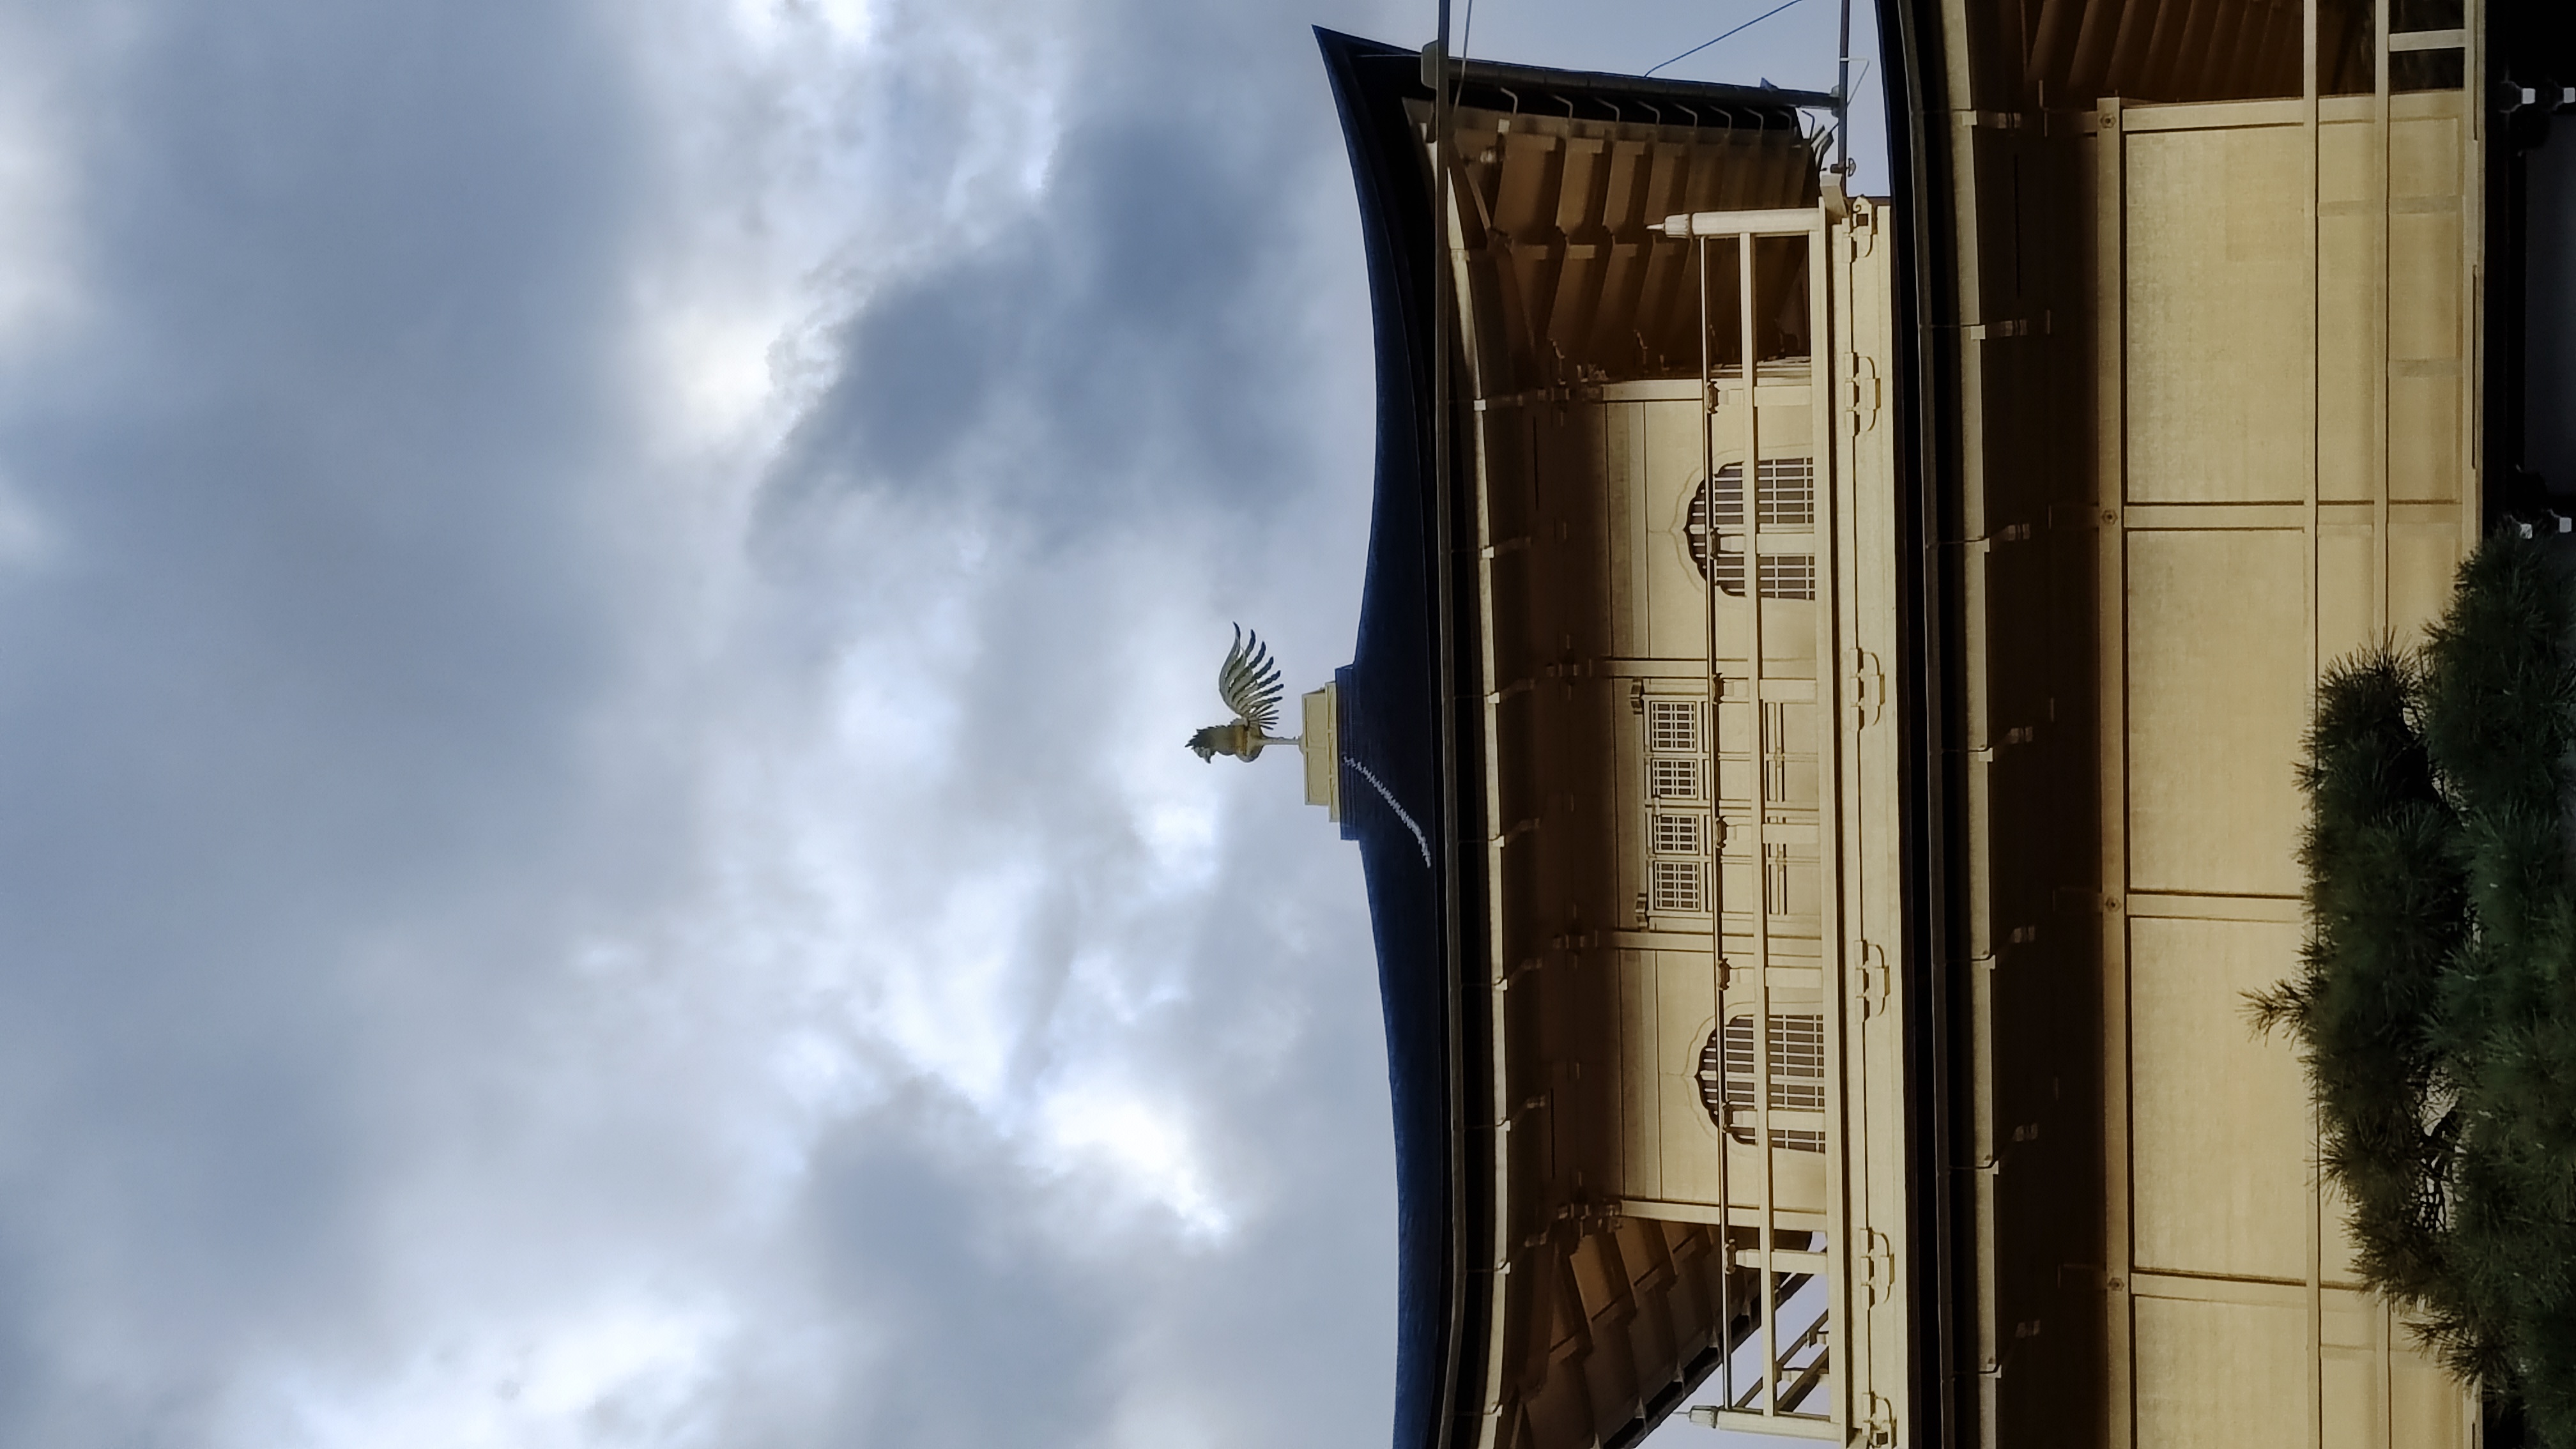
1391 744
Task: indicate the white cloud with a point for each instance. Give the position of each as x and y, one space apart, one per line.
1139 1149
41 287
27 539
626 1374
817 156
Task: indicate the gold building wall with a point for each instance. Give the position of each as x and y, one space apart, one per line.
2285 477
2214 426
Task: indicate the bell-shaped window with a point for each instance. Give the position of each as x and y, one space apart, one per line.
1727 1070
1784 499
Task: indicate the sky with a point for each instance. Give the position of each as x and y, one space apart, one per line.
599 605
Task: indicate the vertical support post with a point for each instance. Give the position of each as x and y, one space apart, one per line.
2110 337
2308 114
1716 825
2384 238
2474 188
1825 347
1752 433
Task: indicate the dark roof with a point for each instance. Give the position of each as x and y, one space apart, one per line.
1390 707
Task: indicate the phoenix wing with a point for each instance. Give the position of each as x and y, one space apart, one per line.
1249 683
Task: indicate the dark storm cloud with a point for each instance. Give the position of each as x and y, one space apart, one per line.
906 1222
1128 331
310 647
1126 304
1030 1327
309 468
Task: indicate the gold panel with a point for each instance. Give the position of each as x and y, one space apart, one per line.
1735 727
2347 589
2426 1408
2350 1319
2422 557
2346 156
1784 429
2220 1154
1640 1100
1739 884
2218 701
2218 339
2424 302
2220 1375
1676 622
1692 1151
2334 1237
1688 1144
2424 157
2347 354
2424 436
1789 636
1623 441
1797 1179
2354 1409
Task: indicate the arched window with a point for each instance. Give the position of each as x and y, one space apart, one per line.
1784 497
1726 1068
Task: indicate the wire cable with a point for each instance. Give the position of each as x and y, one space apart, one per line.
1843 122
1705 44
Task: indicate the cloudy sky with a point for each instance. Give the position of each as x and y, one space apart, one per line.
598 605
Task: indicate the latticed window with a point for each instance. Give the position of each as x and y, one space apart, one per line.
1674 779
1730 501
1677 886
1673 725
1726 1075
1784 496
1729 571
1784 493
1785 576
1797 1061
1681 835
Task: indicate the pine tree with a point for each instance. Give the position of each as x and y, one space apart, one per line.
2436 997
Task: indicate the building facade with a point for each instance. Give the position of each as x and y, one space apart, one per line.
1824 730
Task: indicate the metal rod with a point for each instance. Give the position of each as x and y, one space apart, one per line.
1729 35
1445 610
1590 82
1716 830
1746 292
1842 99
